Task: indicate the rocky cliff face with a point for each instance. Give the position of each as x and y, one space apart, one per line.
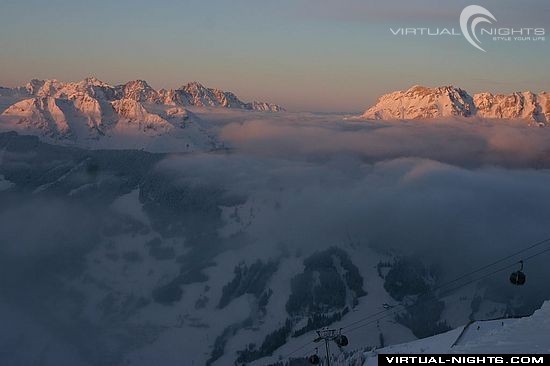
524 105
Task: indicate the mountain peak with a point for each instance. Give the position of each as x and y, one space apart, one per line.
421 89
140 91
92 80
138 83
193 85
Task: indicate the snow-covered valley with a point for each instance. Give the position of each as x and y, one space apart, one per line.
272 226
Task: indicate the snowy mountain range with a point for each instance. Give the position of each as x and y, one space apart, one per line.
91 110
421 102
191 94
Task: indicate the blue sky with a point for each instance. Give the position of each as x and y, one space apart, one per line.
315 55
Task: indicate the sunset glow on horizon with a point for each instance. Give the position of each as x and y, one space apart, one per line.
306 55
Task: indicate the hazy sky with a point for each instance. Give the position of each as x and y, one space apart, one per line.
320 55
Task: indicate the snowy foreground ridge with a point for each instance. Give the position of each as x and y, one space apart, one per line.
508 336
420 102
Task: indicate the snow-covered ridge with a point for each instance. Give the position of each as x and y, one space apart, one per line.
525 335
421 102
191 94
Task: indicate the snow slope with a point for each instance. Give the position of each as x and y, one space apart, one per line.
521 335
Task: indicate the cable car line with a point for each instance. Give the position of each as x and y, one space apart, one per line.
392 311
480 269
447 292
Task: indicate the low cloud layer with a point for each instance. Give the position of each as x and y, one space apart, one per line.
456 194
460 143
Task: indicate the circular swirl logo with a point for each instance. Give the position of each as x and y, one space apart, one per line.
470 17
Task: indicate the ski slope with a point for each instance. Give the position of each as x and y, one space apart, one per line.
519 335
